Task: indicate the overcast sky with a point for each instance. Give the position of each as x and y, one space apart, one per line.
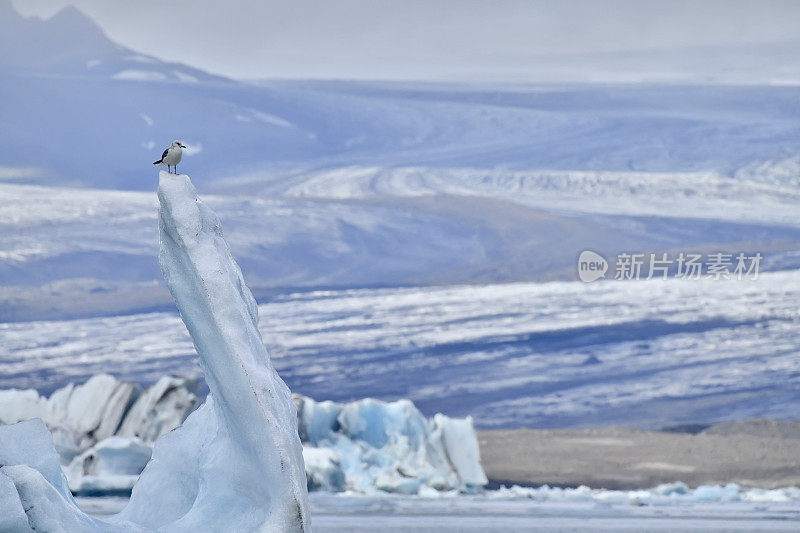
418 38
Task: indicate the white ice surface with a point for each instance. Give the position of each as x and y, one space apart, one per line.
31 479
29 443
762 193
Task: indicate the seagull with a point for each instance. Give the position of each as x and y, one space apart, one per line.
171 156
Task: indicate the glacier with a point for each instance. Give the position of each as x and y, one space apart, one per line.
234 463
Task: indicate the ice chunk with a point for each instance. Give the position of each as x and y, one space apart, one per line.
12 515
323 469
461 445
160 408
93 410
31 479
317 421
110 466
30 443
80 416
363 446
18 405
46 508
667 493
172 473
391 446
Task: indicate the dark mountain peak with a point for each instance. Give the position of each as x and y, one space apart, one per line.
77 27
71 14
71 43
76 22
61 43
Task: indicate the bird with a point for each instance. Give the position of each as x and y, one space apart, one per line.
171 156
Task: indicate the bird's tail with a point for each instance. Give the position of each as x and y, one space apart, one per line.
158 162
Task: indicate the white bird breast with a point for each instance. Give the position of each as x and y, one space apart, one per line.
173 156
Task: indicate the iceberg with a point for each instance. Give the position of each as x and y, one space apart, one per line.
160 408
235 463
111 466
366 446
324 469
461 446
80 416
31 480
660 495
387 446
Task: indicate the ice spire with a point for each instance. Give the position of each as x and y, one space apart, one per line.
253 456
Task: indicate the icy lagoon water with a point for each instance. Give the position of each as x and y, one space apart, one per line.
351 513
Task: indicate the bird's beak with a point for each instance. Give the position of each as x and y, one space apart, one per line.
182 146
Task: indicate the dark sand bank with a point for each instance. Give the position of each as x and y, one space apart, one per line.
753 453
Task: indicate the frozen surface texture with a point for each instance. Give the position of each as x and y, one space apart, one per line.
235 464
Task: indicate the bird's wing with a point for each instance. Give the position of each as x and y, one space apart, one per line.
164 154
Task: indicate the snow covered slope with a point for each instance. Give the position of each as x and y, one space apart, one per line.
762 193
68 252
343 184
246 133
71 44
122 105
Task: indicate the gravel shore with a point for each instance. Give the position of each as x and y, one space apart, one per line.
752 453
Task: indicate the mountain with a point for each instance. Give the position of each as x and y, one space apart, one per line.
80 109
343 184
71 44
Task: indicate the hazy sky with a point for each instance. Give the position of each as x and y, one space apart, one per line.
418 38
